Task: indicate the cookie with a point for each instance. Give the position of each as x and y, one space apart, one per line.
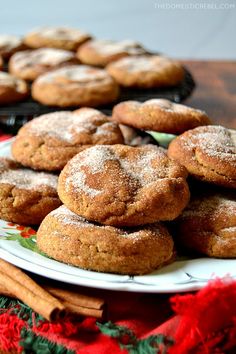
159 115
1 63
9 45
208 153
26 196
121 185
146 71
56 37
12 89
134 138
208 225
69 238
77 85
51 140
29 64
102 52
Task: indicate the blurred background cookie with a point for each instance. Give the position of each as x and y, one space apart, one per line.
208 224
208 153
69 238
56 37
9 45
29 64
101 52
12 89
77 85
159 115
146 71
26 196
121 185
51 140
1 63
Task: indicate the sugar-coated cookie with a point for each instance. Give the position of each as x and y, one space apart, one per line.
56 37
208 224
146 71
26 196
9 45
208 153
29 64
12 89
51 140
121 185
69 238
101 52
159 115
77 85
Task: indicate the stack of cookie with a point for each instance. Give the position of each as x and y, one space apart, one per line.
114 199
208 224
68 69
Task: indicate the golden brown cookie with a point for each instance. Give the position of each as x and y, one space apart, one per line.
159 115
208 153
101 52
9 45
121 185
56 37
146 71
69 238
29 64
26 196
77 85
208 225
12 89
51 140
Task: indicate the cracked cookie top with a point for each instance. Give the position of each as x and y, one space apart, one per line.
123 185
159 115
208 152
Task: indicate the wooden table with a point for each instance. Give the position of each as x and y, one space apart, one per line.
215 91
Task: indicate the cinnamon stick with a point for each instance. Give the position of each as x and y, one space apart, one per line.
75 298
25 289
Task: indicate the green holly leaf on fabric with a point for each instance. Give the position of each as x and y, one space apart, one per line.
154 344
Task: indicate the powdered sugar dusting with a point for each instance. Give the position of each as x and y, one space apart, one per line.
8 42
8 80
144 63
62 33
93 160
42 56
27 179
210 206
67 217
167 105
79 74
215 141
64 125
106 47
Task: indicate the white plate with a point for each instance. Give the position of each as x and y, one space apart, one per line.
182 275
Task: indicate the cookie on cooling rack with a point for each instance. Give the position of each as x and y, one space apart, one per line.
26 196
69 238
121 185
56 37
146 71
101 52
51 140
29 64
208 224
12 89
9 45
77 85
208 153
159 115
